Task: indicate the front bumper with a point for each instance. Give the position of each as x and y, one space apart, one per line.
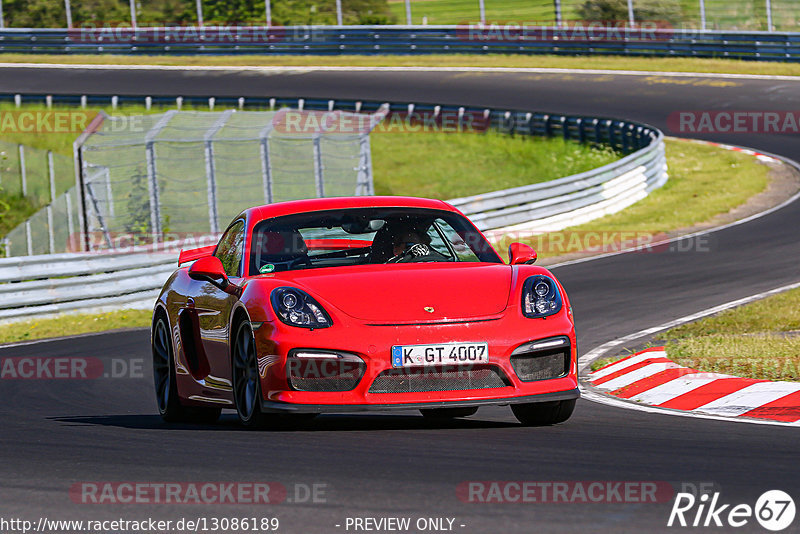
372 343
288 408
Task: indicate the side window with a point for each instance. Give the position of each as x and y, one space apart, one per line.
437 243
463 252
230 248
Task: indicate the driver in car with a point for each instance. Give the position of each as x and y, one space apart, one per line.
409 242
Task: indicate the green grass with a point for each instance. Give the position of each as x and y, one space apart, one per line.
73 324
704 181
758 340
461 11
728 66
720 14
451 165
14 209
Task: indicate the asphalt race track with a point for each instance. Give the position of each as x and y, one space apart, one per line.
56 433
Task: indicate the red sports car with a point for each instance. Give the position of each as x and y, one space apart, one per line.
365 303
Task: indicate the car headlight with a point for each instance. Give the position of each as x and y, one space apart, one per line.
540 297
297 308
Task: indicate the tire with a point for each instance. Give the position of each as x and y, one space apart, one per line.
169 404
543 413
247 381
448 413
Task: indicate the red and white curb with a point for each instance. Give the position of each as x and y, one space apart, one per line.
650 378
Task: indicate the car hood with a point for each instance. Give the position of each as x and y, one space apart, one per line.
401 293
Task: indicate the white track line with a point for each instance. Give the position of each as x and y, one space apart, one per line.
634 376
749 398
633 360
323 68
670 390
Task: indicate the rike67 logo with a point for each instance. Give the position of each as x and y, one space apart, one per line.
774 510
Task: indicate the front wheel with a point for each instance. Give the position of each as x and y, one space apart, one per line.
448 413
169 405
543 413
247 380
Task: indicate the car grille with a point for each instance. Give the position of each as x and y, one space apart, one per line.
313 375
541 365
414 380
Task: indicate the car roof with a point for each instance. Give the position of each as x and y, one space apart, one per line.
279 209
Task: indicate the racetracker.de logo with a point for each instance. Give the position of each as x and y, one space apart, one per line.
735 122
44 122
176 33
564 492
299 122
69 368
177 493
578 31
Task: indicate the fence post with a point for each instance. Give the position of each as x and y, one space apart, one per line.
152 188
28 237
211 177
51 172
482 8
133 13
70 222
769 15
338 12
631 18
152 173
268 9
557 9
703 15
319 179
364 185
22 175
68 10
266 164
200 13
2 22
408 12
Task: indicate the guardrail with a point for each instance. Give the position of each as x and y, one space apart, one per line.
468 38
36 285
33 285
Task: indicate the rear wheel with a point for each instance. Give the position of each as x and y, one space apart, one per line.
448 413
169 405
247 380
543 413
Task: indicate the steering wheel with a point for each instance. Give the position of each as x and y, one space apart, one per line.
414 250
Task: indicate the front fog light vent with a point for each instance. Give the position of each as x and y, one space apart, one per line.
308 370
542 360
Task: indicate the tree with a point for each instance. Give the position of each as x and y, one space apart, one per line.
644 10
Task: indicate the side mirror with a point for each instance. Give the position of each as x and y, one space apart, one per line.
211 270
519 254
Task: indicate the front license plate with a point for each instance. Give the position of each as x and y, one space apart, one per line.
443 354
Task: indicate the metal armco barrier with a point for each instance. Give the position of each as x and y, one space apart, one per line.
33 285
468 38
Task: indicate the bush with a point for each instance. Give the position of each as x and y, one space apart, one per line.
51 13
643 10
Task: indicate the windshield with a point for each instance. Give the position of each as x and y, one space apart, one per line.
365 236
